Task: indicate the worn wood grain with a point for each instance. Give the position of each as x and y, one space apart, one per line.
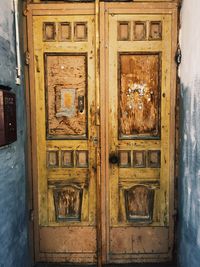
66 81
139 110
132 242
83 242
139 203
68 203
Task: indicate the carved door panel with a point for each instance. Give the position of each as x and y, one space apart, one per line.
65 145
140 108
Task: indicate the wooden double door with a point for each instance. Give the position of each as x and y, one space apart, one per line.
102 98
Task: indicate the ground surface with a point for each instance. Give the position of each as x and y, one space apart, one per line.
109 265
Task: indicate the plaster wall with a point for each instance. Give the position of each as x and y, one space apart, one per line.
13 219
189 250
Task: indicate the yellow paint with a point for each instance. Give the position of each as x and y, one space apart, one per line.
68 100
84 176
121 179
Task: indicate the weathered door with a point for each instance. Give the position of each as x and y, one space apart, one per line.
103 160
66 145
140 82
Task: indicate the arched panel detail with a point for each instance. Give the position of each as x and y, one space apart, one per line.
68 202
139 203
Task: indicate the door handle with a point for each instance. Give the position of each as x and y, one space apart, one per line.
113 158
81 103
37 63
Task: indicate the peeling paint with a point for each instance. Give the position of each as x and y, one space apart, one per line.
189 200
190 177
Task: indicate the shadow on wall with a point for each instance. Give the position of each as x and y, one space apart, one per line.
189 176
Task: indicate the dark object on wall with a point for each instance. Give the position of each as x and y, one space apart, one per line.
5 87
178 56
8 127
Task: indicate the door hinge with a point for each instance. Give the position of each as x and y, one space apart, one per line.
31 215
27 58
178 56
175 215
25 9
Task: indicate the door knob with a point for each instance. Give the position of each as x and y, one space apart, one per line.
113 158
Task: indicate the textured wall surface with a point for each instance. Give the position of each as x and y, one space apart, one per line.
13 219
189 253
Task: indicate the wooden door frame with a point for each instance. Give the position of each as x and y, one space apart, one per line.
29 11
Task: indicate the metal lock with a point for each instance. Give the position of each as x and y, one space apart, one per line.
81 103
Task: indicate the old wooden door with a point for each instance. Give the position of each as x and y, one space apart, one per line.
140 105
65 145
102 98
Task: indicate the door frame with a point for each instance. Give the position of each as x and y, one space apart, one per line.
103 153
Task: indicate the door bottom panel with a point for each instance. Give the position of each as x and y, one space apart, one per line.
68 240
141 240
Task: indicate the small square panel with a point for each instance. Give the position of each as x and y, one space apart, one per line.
154 158
124 159
65 31
80 31
82 159
139 30
52 159
155 30
67 159
139 159
49 31
123 31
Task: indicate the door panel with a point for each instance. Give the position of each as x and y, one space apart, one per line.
140 74
64 57
66 94
140 135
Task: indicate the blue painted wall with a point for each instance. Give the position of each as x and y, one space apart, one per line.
13 218
189 201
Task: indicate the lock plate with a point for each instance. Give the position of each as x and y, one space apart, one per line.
81 103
